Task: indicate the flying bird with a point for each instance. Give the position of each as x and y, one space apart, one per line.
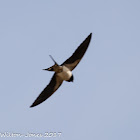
63 72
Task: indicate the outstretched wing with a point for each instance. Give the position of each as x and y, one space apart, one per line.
49 90
72 62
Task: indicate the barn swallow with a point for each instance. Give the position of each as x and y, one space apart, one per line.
63 72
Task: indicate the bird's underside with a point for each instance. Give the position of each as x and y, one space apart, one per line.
63 72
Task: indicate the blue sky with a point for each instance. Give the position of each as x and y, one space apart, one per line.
103 102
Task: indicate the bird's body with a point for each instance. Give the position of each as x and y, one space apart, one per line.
63 72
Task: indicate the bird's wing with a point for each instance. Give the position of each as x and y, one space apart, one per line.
72 62
49 90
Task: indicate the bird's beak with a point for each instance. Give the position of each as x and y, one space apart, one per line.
49 69
44 69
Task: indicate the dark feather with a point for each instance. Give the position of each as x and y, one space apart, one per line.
49 90
72 62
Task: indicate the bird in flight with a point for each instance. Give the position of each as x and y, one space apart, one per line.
63 72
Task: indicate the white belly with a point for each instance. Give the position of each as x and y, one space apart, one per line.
65 74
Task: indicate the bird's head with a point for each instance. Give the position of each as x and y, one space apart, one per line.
54 67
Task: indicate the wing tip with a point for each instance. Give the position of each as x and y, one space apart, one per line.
32 105
90 35
88 39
